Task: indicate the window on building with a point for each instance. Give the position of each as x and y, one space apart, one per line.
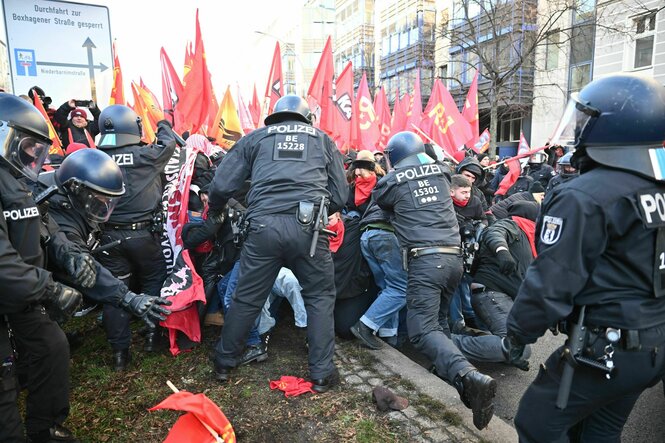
552 50
645 27
579 76
584 10
443 71
509 128
581 44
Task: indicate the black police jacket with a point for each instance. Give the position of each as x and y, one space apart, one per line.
287 163
141 167
23 278
78 230
419 196
486 270
596 241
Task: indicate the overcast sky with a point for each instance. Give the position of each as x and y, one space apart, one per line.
235 53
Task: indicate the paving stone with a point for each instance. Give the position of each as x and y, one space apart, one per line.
354 380
439 436
373 382
365 374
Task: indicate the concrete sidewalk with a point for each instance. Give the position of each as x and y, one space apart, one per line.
435 412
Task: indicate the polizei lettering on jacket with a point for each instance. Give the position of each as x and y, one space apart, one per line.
652 208
20 214
417 172
281 129
126 159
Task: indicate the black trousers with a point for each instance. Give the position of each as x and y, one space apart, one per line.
273 242
11 426
43 368
602 405
139 262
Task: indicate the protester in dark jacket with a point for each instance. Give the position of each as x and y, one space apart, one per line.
362 176
74 124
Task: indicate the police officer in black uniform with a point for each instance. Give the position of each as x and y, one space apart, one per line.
291 165
417 191
138 261
564 172
27 287
601 243
89 184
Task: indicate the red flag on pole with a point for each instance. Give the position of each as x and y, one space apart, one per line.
255 109
244 114
56 146
118 91
523 146
400 110
415 113
204 422
320 93
510 178
171 91
443 122
344 105
483 143
275 86
367 123
383 113
470 111
197 96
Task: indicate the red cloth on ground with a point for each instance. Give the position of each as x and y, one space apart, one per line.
336 242
291 386
529 228
364 188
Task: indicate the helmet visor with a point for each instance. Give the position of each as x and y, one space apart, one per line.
95 206
25 152
575 119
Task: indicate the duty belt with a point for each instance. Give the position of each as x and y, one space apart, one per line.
130 226
419 252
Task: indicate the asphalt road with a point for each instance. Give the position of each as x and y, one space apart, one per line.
645 424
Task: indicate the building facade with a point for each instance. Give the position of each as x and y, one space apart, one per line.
354 38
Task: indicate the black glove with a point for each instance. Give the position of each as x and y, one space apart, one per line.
514 350
217 217
146 307
81 267
165 123
61 301
506 263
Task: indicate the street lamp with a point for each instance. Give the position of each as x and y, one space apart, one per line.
289 51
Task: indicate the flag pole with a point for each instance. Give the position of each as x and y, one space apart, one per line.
420 131
218 439
517 157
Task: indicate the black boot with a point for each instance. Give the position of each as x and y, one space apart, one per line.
323 385
477 392
366 336
121 360
254 353
55 434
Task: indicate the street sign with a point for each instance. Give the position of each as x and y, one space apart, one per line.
62 47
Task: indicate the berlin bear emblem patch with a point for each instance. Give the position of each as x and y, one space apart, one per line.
551 230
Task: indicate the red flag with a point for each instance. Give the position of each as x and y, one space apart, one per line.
400 108
510 178
275 86
383 112
56 146
365 116
523 146
344 106
118 91
483 143
470 111
320 91
201 412
189 60
415 113
197 95
255 109
171 91
212 112
245 115
443 122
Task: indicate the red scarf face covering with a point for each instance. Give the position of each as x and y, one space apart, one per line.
460 203
529 228
364 188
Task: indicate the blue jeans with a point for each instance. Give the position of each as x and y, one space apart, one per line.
460 303
382 252
286 286
225 288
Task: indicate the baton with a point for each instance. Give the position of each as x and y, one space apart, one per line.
574 347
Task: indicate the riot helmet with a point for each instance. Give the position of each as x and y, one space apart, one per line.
538 158
41 94
119 126
617 121
471 165
24 136
406 149
289 107
93 183
564 167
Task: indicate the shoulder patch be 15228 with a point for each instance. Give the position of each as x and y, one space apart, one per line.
551 230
